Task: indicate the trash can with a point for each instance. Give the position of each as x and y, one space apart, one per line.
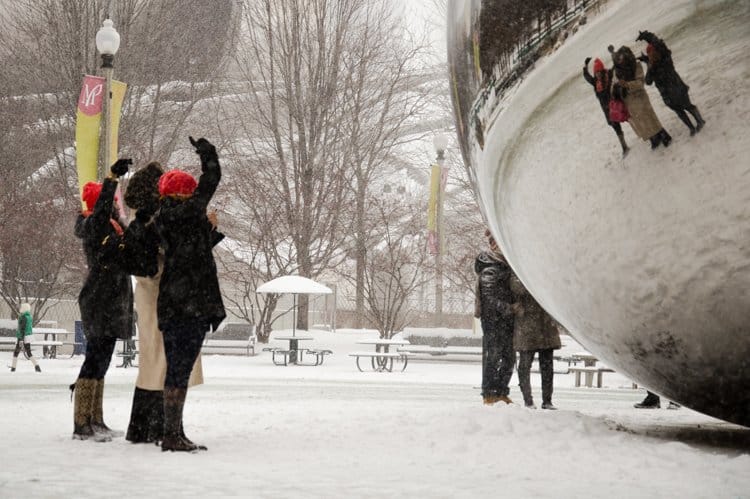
80 347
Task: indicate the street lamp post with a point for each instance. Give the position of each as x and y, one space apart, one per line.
440 141
107 43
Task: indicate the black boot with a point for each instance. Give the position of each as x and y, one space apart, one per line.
625 148
652 401
655 141
37 368
666 139
174 401
684 117
698 118
146 417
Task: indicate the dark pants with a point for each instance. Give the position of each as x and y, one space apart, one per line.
20 345
546 369
182 344
498 359
98 357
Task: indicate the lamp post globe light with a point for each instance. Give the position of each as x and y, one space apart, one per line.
440 141
107 43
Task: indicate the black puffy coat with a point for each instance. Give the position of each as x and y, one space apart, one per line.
494 296
106 299
189 287
661 72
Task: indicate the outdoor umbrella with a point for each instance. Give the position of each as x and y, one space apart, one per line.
295 285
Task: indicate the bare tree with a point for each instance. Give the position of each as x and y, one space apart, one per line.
394 269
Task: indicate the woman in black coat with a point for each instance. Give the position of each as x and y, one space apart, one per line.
602 83
189 302
105 301
661 72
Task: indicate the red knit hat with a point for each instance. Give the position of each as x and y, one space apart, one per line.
91 191
598 65
177 183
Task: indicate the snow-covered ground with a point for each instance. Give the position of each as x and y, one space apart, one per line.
332 431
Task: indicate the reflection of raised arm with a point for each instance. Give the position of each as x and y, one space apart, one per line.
211 172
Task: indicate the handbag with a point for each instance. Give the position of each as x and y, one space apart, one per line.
618 111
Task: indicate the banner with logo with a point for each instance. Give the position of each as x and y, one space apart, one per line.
88 123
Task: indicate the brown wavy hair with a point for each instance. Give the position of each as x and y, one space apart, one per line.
143 191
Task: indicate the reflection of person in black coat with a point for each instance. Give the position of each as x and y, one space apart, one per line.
673 90
189 302
602 83
105 301
494 306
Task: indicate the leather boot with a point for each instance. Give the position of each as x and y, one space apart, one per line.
652 401
174 401
625 148
84 390
698 118
97 418
146 417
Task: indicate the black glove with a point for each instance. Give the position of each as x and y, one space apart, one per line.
120 167
204 148
643 57
644 35
587 61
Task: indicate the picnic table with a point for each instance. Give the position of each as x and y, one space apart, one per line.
381 359
291 356
51 340
589 369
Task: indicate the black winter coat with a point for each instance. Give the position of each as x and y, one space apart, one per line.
494 295
662 73
106 299
189 286
605 94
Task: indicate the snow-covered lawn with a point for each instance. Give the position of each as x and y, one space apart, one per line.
331 431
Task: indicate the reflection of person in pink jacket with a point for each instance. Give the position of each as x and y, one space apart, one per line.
602 83
147 413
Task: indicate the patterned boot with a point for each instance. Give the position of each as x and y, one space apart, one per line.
97 418
174 401
84 391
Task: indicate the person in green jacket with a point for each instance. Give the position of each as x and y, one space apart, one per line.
23 336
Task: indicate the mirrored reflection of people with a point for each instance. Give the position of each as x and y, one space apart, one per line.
23 336
189 301
494 307
534 332
602 83
653 401
662 73
147 413
105 301
629 86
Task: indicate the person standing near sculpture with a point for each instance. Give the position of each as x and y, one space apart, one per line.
105 301
629 87
602 83
189 302
147 413
662 73
534 332
23 334
494 306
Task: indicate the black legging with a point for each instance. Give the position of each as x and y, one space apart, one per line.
182 344
525 358
98 357
20 345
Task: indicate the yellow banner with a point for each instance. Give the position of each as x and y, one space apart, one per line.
432 205
88 124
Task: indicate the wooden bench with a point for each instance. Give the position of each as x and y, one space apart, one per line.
590 371
212 346
382 361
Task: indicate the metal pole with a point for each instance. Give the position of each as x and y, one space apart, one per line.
440 245
107 67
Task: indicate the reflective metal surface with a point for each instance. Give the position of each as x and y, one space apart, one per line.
644 259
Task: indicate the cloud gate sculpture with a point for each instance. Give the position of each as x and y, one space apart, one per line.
644 258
